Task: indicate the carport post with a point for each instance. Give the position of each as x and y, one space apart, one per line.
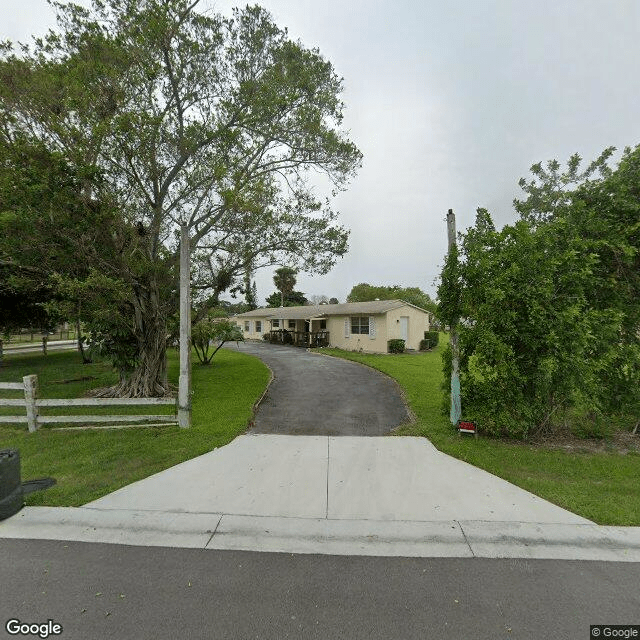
184 381
456 405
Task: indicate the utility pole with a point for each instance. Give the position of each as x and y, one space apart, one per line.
184 381
456 405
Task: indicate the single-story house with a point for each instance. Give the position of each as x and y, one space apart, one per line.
354 326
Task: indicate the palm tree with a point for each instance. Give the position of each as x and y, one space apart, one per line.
285 281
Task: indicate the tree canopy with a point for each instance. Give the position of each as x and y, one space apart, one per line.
550 306
187 117
285 281
365 292
292 299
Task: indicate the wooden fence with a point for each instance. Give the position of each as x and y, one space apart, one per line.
43 346
31 402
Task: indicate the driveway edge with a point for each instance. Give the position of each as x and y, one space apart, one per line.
256 404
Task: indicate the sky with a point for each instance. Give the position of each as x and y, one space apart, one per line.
450 103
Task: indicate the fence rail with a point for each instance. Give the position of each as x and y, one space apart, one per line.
44 346
12 385
31 403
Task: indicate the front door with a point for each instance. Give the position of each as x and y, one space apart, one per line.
404 328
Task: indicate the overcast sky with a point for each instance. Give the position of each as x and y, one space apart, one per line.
451 103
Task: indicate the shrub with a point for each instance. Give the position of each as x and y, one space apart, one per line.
210 330
395 346
433 337
266 337
425 344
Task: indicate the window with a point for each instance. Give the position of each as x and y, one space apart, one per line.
292 324
246 325
275 323
323 324
360 324
258 326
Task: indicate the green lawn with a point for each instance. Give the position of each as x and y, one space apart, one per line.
90 464
603 487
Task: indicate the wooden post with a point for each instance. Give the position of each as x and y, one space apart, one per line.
30 396
184 381
44 344
456 404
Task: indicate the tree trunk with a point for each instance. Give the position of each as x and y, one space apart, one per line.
149 379
80 339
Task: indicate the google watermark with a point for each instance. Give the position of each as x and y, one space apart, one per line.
46 629
615 631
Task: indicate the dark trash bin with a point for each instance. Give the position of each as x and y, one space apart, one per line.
11 495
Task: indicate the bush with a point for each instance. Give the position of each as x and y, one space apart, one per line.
425 345
395 346
210 330
433 337
266 337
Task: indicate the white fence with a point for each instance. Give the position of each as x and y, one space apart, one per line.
44 346
31 403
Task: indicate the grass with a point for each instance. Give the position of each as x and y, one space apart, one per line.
600 486
90 464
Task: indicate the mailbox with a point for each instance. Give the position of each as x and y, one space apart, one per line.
467 426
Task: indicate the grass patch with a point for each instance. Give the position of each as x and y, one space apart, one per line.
90 464
600 486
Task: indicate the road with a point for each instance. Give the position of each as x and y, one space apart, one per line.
100 591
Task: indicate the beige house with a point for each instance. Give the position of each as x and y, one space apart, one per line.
354 326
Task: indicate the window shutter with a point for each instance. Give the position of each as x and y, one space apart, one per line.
372 328
347 327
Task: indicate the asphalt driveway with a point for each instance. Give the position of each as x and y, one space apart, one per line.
312 394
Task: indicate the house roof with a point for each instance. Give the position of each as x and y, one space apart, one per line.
324 310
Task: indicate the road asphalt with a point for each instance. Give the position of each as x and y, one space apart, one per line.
97 591
324 494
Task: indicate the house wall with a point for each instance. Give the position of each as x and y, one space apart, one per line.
387 327
356 342
252 334
418 324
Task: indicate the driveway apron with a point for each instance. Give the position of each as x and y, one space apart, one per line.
312 394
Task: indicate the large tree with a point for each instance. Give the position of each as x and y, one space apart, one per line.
191 118
550 306
285 280
50 234
293 299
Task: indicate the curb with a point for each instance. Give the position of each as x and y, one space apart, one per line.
215 531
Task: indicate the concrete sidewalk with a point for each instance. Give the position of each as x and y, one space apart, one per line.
382 496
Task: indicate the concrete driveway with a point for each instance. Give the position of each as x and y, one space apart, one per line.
331 495
312 394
